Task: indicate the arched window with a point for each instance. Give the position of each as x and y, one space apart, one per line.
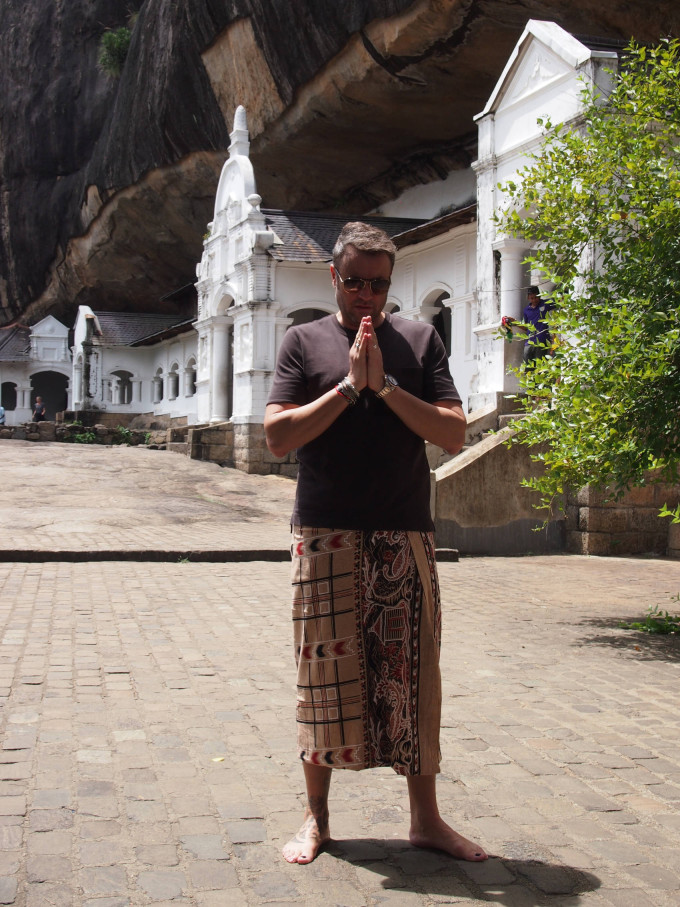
190 378
9 395
173 381
122 389
442 321
158 388
303 316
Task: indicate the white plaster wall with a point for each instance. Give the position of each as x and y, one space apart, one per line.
432 199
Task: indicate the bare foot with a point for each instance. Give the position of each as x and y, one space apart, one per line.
441 836
309 840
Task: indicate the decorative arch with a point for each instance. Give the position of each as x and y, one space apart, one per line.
121 387
227 300
305 314
52 386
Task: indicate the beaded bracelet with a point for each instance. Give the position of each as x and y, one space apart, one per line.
347 390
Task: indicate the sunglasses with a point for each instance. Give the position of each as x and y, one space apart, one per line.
377 285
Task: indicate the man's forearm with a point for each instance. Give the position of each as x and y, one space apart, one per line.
289 427
440 423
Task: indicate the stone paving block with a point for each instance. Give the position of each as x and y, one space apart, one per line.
273 885
102 853
51 799
13 806
106 881
104 828
629 897
11 837
169 884
50 819
47 868
227 896
246 832
8 890
240 810
212 874
157 855
205 847
10 861
107 902
102 807
50 842
47 894
656 877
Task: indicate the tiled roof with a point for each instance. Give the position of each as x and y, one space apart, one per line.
310 237
436 227
595 43
15 343
125 328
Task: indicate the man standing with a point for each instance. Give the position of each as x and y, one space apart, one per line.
357 394
39 410
537 344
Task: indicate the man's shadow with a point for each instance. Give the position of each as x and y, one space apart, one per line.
397 864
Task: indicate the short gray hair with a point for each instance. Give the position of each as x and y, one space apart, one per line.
364 238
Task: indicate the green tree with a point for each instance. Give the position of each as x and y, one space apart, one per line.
600 205
113 48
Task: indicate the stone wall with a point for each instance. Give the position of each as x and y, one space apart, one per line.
214 443
481 507
629 526
71 433
252 455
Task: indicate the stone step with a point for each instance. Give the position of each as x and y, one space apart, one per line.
508 418
180 447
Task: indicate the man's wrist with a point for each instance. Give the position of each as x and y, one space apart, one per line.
347 390
390 384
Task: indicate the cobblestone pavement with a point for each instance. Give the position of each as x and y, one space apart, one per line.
148 743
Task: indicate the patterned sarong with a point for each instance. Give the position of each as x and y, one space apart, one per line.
367 629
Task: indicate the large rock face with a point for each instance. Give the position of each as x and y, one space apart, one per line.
107 185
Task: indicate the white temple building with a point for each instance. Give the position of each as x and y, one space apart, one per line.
34 362
263 270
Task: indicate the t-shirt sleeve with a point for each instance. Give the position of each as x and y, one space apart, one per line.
438 381
289 384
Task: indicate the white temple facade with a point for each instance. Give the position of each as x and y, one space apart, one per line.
543 79
34 362
263 270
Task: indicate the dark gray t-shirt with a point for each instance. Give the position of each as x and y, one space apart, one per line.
367 470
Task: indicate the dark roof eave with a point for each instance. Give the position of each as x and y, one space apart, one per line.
182 328
461 216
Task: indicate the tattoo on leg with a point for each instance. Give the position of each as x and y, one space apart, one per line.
318 807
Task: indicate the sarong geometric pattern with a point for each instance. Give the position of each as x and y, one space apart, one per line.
367 629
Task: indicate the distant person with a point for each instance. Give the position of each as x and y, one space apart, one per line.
39 410
539 339
2 415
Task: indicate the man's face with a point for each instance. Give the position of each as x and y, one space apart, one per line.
355 306
533 299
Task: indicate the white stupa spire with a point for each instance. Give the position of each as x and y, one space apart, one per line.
240 143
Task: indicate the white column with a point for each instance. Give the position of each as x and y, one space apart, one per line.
78 386
136 390
189 382
220 377
513 254
157 382
173 379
